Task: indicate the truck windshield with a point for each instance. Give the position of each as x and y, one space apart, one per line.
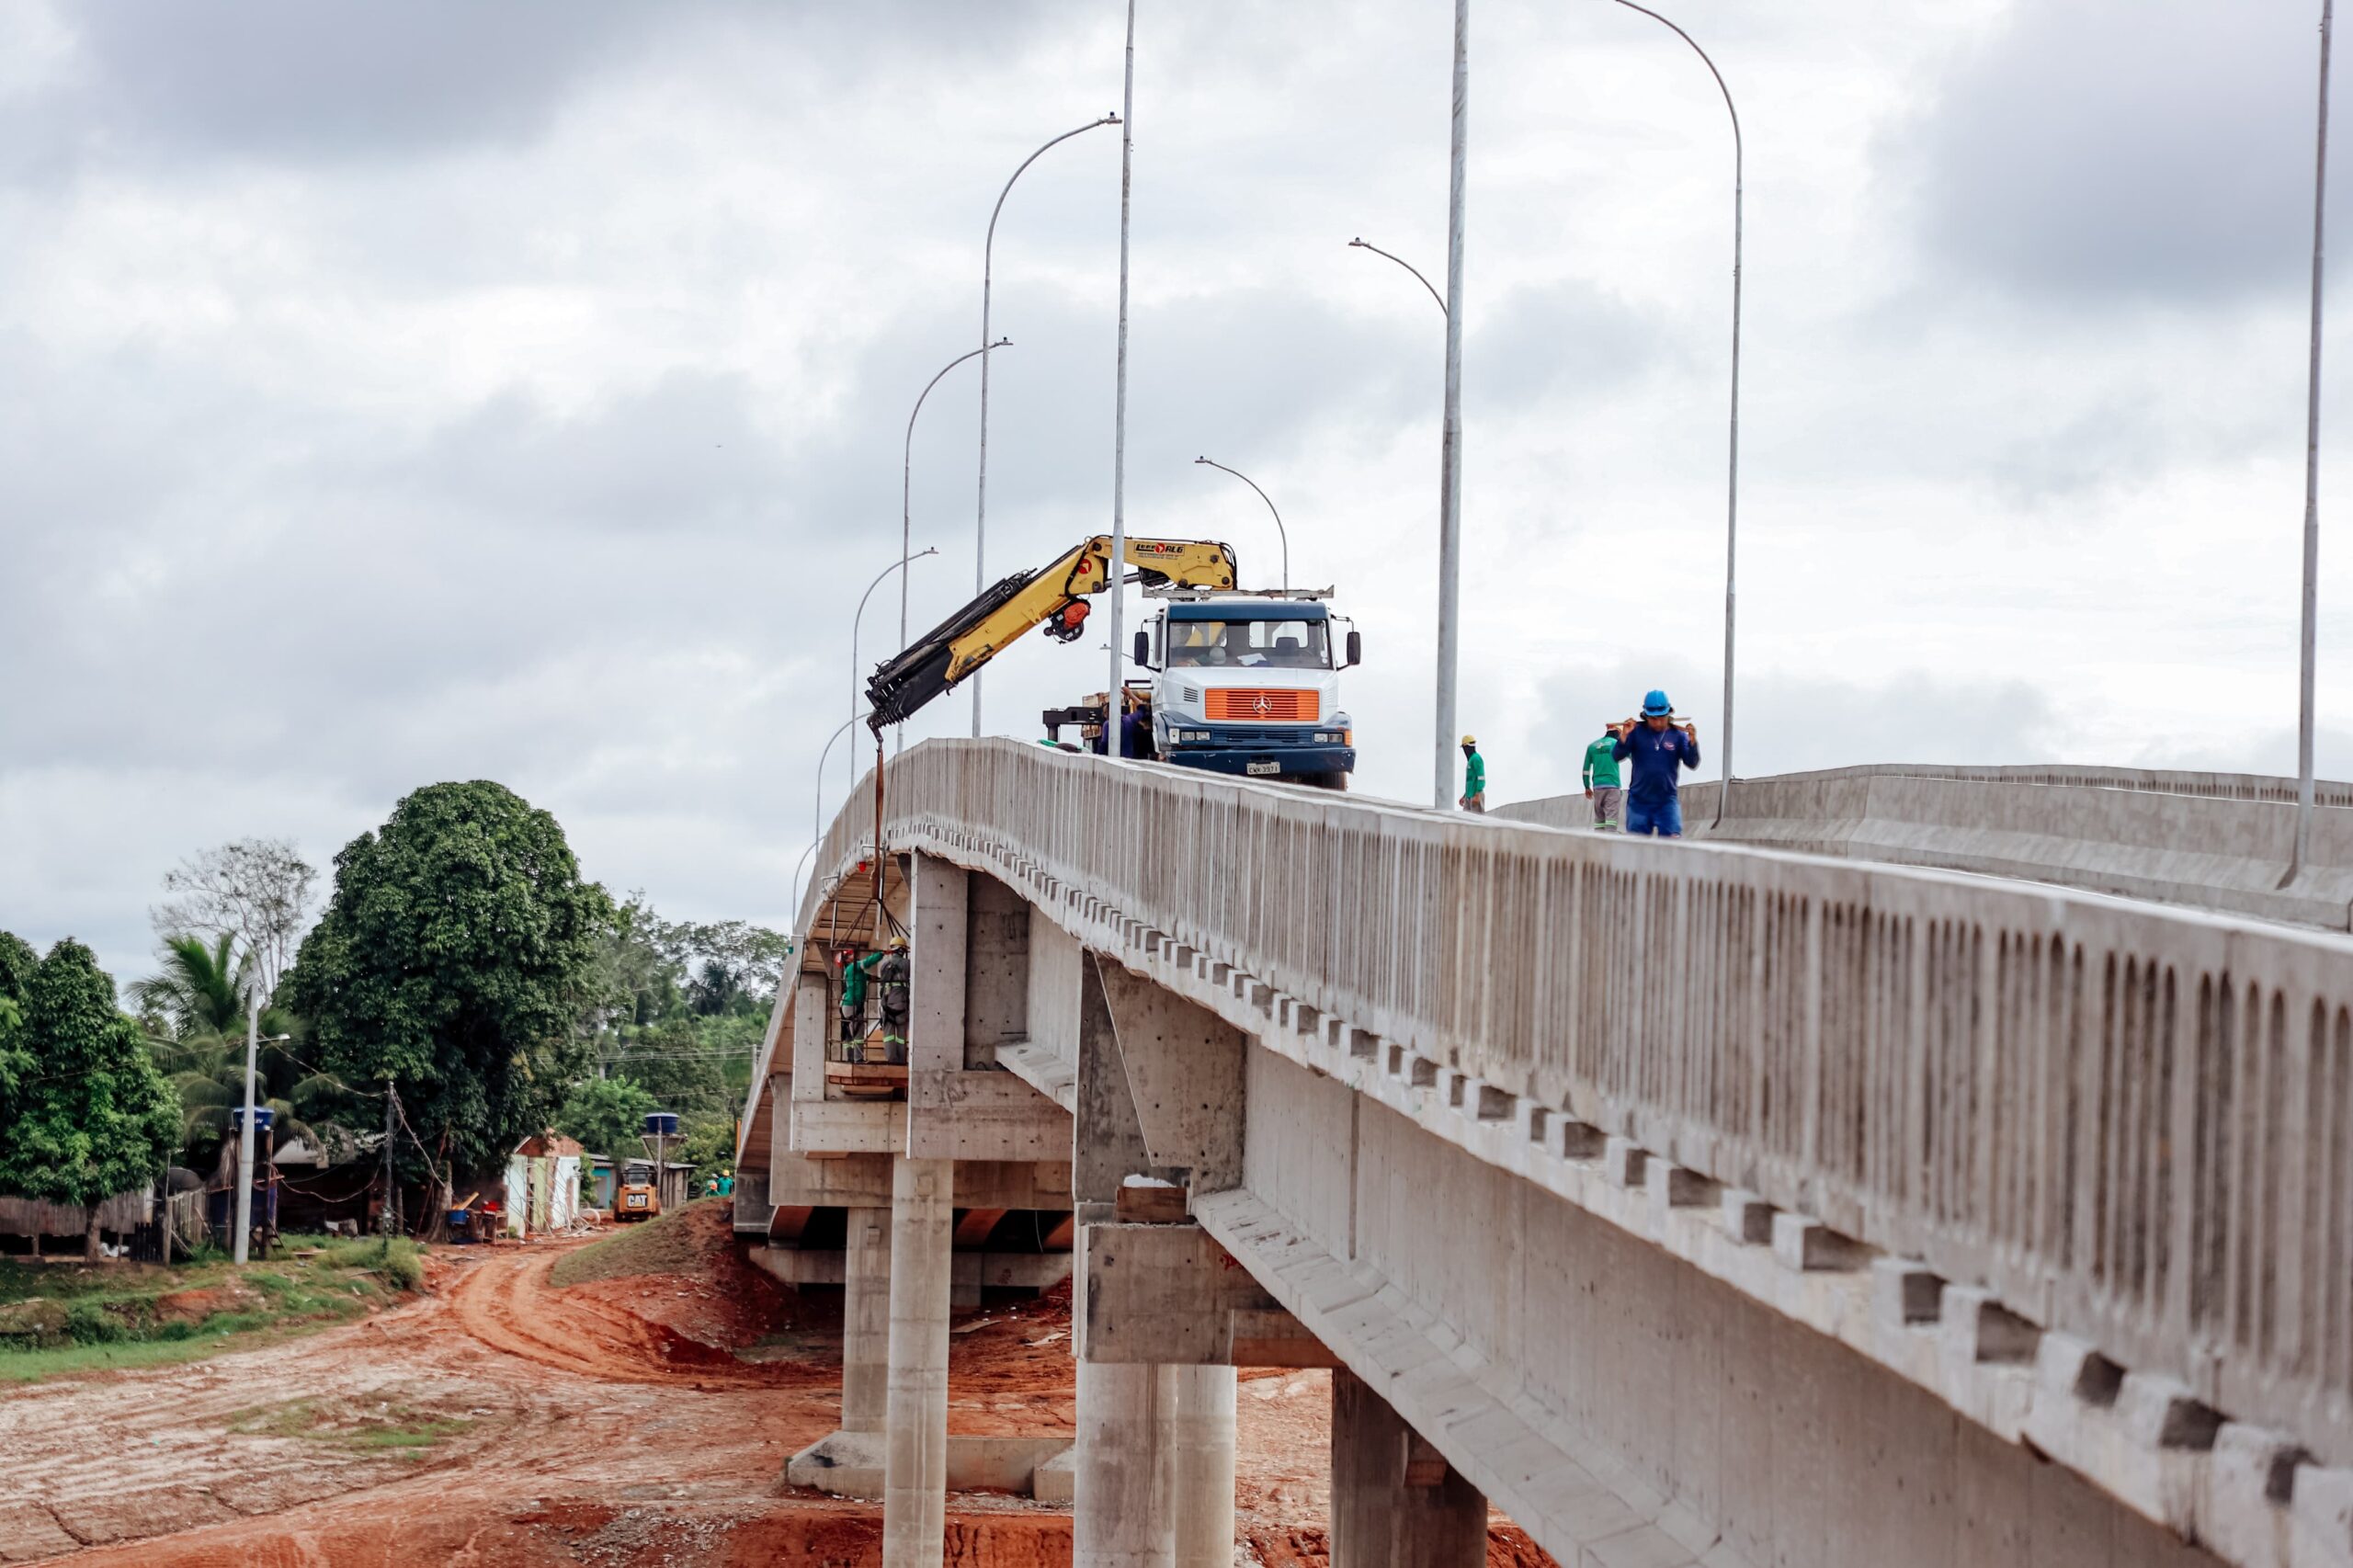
1250 645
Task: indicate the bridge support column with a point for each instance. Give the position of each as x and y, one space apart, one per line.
915 1464
866 1319
1395 1501
1201 1464
1153 1467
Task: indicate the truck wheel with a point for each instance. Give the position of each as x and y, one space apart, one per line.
1324 781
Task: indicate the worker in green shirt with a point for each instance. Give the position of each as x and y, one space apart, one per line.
1602 786
1475 776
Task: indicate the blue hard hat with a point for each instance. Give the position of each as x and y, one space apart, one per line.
1655 705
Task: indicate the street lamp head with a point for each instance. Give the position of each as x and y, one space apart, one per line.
1356 242
275 1038
1110 119
1001 343
1201 460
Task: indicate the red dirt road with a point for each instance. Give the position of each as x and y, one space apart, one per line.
609 1424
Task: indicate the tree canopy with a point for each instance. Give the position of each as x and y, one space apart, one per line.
17 962
92 1116
606 1115
458 956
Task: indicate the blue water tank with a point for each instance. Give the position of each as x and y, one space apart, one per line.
661 1124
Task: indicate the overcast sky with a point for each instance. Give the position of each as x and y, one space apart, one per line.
399 392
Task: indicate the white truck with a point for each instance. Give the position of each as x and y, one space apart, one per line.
1249 684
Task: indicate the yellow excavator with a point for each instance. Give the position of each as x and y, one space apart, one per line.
1054 596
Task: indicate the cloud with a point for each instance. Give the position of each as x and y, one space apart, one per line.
288 79
2108 152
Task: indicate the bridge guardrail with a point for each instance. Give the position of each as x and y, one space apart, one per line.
2133 1124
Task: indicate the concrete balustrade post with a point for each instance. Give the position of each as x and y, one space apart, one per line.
915 1473
1395 1502
866 1321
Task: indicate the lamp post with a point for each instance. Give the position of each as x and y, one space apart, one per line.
817 795
1365 245
907 483
1450 490
245 1127
1280 530
1731 501
2306 667
981 505
860 619
1115 740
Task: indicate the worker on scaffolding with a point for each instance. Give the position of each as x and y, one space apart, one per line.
852 992
891 974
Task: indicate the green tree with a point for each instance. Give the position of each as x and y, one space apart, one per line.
457 957
93 1118
708 1145
17 962
606 1115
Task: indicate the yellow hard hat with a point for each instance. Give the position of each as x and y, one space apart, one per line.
1469 740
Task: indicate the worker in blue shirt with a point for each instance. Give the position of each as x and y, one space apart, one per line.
1659 752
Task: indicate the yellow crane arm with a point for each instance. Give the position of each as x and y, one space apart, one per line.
1053 596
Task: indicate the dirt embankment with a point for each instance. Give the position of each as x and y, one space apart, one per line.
628 1421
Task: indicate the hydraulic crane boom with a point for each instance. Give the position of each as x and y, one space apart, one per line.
1055 594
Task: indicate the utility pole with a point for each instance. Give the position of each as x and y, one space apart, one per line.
1450 496
390 1221
1114 733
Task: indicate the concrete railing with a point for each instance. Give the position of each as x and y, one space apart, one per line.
2133 1124
2211 841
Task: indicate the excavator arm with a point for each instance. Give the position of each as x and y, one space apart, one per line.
1054 595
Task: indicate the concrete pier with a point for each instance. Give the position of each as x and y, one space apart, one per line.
1395 1503
1154 1467
866 1319
1201 1464
915 1477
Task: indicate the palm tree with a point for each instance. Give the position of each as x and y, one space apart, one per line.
199 1001
200 992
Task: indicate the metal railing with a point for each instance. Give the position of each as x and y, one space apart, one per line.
2133 1124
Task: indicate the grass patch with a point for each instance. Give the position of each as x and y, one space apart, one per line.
668 1246
397 1429
59 1319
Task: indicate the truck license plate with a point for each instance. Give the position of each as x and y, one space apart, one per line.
1255 767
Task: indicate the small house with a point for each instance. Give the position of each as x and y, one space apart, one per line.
542 1184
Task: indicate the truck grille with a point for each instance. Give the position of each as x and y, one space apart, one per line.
1253 706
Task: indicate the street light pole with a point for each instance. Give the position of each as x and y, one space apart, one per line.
1115 740
245 1130
981 507
860 619
1365 245
817 795
2306 682
1280 530
1450 506
1731 503
906 485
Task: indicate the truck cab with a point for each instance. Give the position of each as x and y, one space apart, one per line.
1249 684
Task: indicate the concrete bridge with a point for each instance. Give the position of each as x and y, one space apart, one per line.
1691 1204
